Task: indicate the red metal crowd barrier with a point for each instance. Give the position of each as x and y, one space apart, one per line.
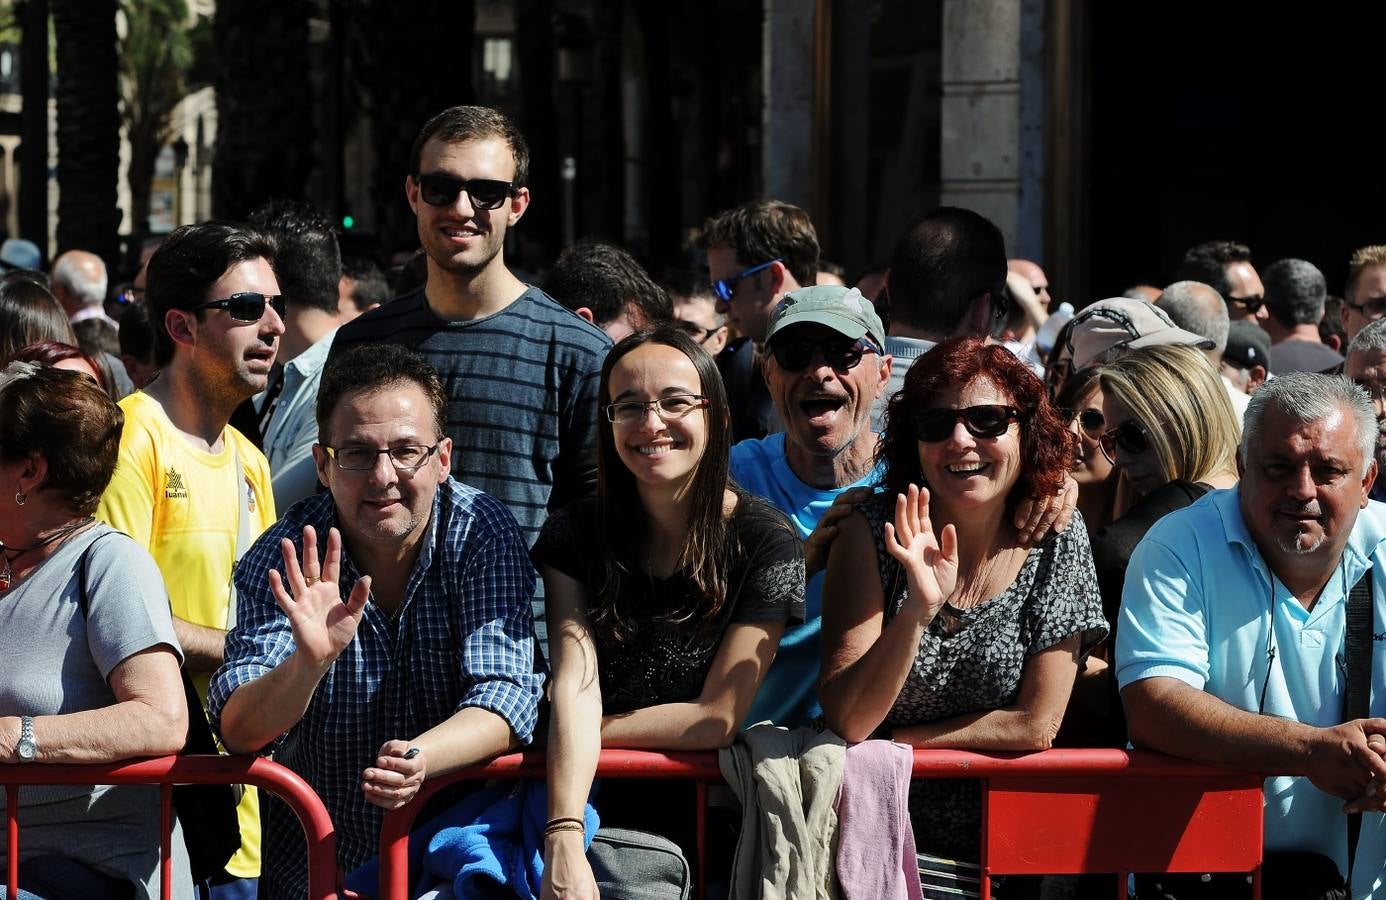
167 771
1058 812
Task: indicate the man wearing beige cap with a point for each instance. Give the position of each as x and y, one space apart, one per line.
1094 335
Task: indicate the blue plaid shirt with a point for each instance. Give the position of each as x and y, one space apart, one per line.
464 636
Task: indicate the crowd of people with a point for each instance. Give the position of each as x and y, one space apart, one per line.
391 532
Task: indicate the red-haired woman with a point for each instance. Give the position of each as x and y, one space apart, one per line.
967 639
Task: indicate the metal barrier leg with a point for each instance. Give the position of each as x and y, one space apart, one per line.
12 841
700 798
1256 883
166 841
1123 882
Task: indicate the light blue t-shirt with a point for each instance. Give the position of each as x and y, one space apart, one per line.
1197 607
789 694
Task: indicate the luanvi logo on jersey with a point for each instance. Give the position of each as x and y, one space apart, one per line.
174 489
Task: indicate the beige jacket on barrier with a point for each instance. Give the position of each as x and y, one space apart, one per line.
787 782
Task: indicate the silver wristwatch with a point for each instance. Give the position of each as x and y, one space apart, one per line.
27 748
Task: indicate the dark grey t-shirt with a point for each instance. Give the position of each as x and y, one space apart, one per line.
56 660
522 397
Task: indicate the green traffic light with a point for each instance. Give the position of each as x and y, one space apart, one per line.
348 221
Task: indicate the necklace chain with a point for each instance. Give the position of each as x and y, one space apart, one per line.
11 554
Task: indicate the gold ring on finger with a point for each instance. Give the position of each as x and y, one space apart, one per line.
311 579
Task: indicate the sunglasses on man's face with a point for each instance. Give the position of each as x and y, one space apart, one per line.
1247 305
842 354
247 306
437 189
725 287
989 421
1129 436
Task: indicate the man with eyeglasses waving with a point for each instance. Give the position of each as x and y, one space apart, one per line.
385 634
520 371
189 486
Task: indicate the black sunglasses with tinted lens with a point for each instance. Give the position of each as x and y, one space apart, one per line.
247 306
1249 305
795 355
485 193
1090 420
989 421
1129 436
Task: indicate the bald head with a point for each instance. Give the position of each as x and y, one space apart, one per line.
1196 307
1032 273
79 280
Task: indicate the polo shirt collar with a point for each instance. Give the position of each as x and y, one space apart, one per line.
1368 533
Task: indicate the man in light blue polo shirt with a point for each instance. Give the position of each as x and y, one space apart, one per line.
1230 649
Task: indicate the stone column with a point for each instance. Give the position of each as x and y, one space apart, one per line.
981 111
788 65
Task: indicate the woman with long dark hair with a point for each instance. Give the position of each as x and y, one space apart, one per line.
666 593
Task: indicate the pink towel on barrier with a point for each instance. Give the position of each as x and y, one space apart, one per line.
875 851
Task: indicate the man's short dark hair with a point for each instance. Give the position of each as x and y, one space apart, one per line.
136 334
763 230
943 262
368 283
1295 292
473 123
369 368
605 278
1208 263
309 262
188 263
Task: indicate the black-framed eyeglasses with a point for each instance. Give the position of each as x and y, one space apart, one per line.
723 287
674 406
1248 305
1373 308
1090 420
405 458
696 331
247 306
986 421
437 189
841 353
1129 436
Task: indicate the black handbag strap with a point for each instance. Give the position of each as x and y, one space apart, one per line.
1358 694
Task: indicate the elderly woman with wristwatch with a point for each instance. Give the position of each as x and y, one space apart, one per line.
88 658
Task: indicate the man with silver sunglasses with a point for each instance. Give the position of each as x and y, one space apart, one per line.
190 487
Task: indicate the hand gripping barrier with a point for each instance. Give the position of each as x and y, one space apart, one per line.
167 771
1056 812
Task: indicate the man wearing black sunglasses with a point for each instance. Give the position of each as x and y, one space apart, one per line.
520 371
189 486
1226 267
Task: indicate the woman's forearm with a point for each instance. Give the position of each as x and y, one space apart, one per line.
123 730
694 725
1010 728
857 698
573 750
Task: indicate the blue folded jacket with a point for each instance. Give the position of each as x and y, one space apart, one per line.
496 835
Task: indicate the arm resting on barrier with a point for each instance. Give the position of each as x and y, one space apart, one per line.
711 721
1031 724
469 736
149 717
1168 715
575 716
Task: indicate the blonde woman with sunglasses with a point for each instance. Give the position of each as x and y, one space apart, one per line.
1172 435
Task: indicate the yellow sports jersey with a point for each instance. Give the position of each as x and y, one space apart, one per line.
181 503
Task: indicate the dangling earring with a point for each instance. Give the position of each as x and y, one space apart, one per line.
20 498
